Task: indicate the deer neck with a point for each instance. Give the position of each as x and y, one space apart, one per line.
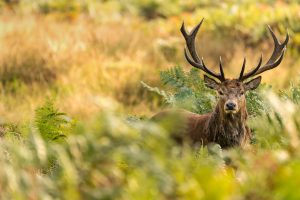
227 129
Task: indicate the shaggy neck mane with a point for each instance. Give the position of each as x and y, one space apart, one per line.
227 129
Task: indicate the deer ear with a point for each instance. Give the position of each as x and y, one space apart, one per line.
253 84
211 83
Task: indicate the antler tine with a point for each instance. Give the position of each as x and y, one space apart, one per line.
190 40
218 76
221 70
252 72
274 60
191 48
201 65
277 46
243 69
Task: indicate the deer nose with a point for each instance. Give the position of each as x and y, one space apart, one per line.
230 105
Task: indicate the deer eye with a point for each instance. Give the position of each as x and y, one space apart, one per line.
221 93
242 93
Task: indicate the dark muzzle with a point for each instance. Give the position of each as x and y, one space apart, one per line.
230 106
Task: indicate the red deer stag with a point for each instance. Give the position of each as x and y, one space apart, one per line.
226 125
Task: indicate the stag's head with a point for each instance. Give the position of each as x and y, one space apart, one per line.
232 91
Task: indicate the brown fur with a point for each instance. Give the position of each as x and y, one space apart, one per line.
225 128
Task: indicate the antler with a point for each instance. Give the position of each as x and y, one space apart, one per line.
195 60
274 61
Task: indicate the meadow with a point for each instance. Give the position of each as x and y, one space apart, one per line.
79 80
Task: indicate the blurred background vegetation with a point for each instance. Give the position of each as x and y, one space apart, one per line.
109 65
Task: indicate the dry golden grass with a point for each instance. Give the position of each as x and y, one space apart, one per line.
78 62
84 60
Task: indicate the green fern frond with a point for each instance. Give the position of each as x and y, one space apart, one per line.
52 124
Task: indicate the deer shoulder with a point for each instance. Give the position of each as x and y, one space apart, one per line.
185 125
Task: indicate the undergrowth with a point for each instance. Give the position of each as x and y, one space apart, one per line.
112 157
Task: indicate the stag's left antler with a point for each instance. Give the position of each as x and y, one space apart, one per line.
274 61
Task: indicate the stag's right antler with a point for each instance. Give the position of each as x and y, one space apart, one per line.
195 60
274 61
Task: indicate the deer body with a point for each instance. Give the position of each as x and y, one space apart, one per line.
226 125
227 131
224 128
